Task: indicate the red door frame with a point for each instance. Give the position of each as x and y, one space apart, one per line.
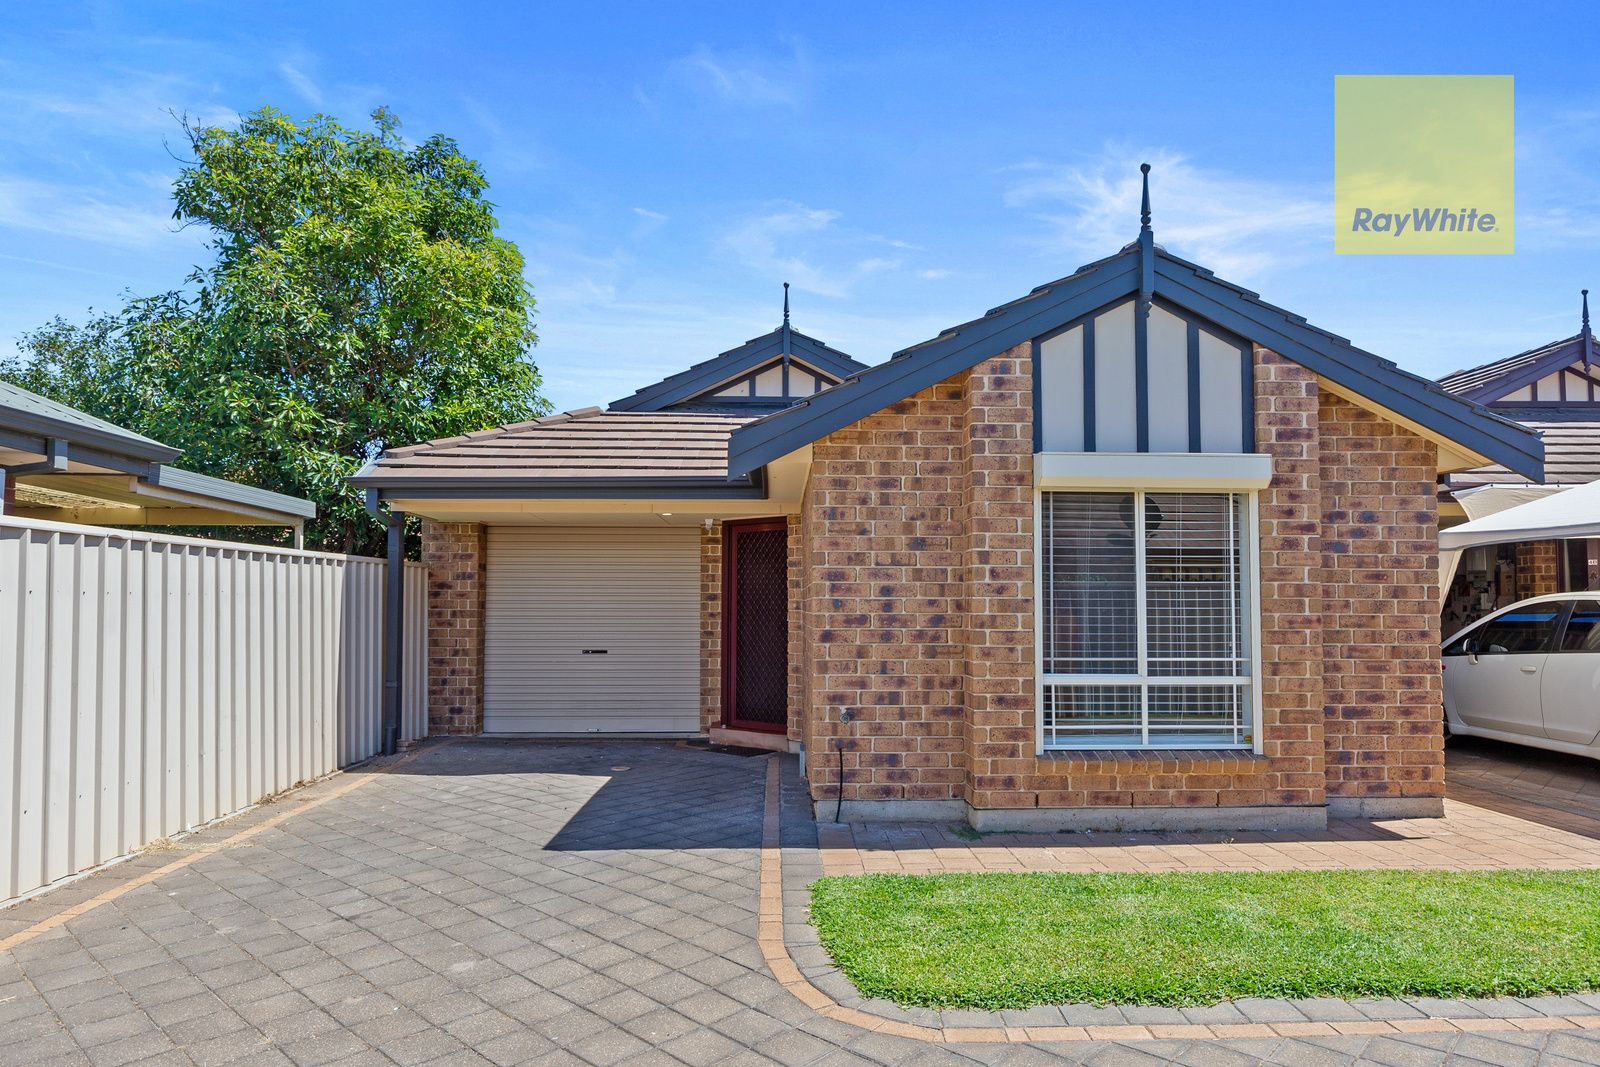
730 618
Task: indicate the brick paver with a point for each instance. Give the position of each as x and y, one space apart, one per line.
1507 808
525 903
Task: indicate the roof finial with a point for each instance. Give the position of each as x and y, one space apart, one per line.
1144 205
1585 337
786 303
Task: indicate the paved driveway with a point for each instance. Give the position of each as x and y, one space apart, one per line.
502 903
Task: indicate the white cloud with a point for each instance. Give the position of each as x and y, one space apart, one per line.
122 103
649 221
804 246
83 214
302 84
781 80
1239 225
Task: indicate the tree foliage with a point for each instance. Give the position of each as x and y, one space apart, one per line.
359 296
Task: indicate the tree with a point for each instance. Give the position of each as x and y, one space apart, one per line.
359 297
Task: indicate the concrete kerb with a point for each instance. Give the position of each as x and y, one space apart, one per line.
774 939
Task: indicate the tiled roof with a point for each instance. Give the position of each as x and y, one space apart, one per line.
687 385
586 446
1571 455
1473 379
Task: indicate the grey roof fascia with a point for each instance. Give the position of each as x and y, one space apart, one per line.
179 480
30 413
1409 395
732 363
914 369
76 453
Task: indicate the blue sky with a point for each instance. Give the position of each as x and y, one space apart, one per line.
665 168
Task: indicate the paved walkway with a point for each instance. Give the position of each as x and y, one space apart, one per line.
1508 808
522 903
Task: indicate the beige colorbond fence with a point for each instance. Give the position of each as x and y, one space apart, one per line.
150 684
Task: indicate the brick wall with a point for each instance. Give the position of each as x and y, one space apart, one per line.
918 616
998 640
1537 568
710 627
1006 772
454 555
1380 635
1290 560
883 590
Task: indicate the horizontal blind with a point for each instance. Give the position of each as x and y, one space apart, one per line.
1090 584
1187 682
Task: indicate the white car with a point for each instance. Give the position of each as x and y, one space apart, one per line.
1529 673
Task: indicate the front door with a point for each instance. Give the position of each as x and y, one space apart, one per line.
755 631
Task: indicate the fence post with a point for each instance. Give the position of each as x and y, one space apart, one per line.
393 630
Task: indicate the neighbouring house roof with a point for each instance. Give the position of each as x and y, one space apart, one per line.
1571 452
64 464
694 387
589 452
1489 382
1145 269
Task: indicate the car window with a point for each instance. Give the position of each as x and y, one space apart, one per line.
1583 628
1524 630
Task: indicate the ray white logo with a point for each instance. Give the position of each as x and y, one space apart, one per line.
1423 220
1424 164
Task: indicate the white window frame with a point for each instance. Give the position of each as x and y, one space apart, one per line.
1139 474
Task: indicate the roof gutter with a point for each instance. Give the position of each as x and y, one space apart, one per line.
46 429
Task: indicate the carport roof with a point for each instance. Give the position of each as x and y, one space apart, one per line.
587 452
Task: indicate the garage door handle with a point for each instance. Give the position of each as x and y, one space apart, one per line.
1528 670
596 651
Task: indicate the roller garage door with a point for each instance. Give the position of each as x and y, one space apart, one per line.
591 630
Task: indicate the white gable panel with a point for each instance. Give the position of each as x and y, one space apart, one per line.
736 389
1548 388
1525 393
1115 406
770 381
1061 392
1168 381
1221 395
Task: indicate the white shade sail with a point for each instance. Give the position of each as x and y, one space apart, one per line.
1573 512
1484 500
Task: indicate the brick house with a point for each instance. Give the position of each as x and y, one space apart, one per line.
1134 550
1553 389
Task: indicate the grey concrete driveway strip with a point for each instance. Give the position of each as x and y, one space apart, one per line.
511 903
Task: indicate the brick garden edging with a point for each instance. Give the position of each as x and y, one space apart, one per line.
773 937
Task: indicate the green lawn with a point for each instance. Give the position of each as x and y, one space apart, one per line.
1015 940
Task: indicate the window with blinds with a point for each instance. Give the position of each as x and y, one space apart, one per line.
1145 637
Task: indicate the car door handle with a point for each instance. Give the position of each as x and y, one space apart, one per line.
1528 670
